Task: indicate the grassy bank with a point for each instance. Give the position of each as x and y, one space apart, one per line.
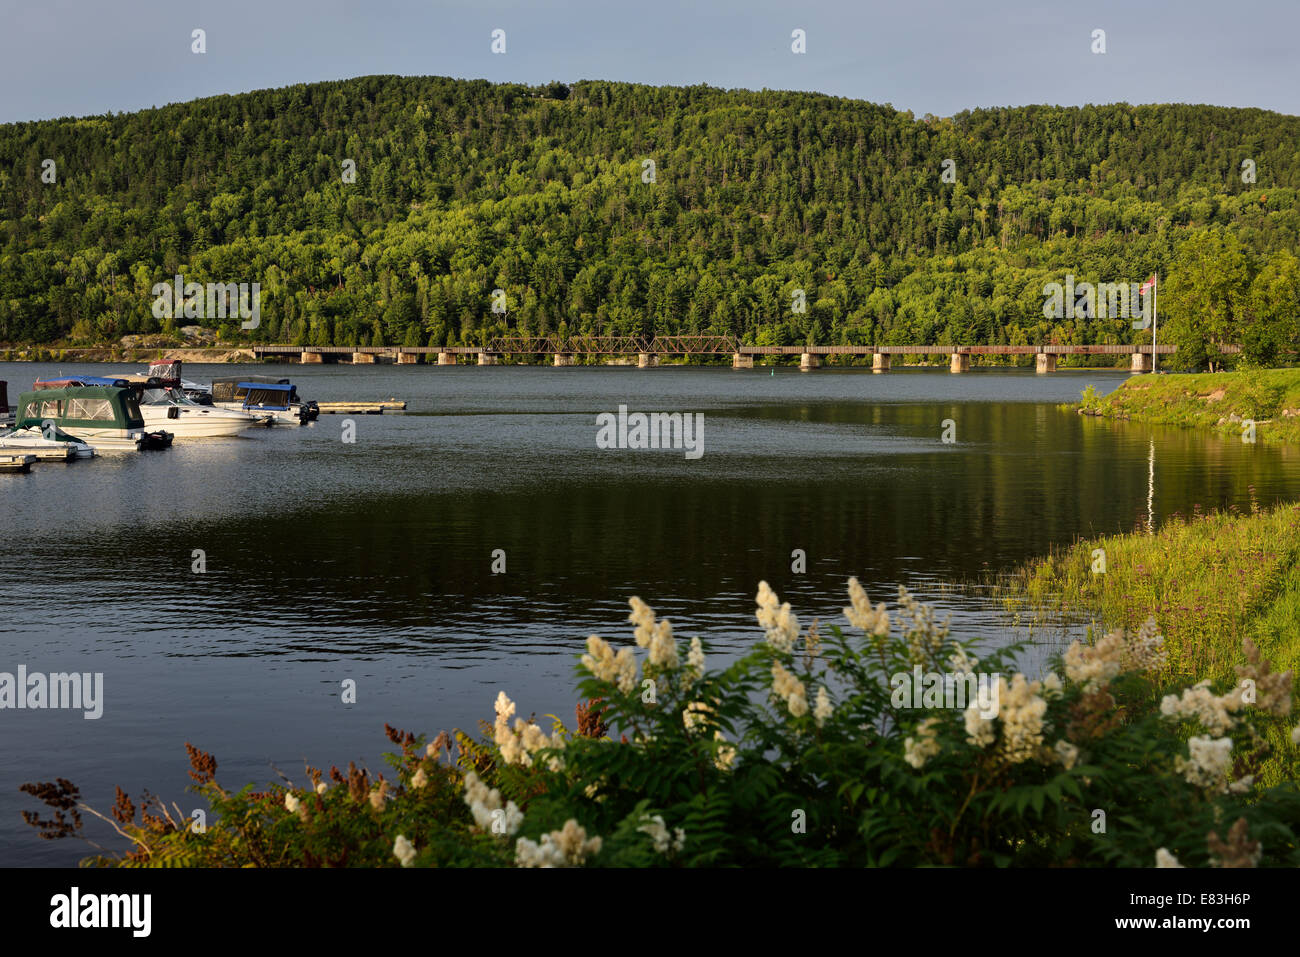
1219 401
1209 581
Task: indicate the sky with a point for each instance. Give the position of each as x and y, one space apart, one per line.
88 57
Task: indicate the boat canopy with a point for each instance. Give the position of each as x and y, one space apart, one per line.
267 396
86 407
166 369
80 380
235 388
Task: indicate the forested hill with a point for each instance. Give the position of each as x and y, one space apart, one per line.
463 187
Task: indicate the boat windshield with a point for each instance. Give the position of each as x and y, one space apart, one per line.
158 397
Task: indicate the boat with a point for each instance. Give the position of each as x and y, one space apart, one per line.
105 416
161 403
16 463
232 393
171 369
48 444
6 413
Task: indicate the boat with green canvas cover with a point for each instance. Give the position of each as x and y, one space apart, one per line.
106 417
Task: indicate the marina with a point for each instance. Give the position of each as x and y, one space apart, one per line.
67 417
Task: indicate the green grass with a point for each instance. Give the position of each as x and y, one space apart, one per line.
1270 397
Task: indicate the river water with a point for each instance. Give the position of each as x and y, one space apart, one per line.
373 560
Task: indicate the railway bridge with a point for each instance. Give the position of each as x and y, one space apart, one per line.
649 349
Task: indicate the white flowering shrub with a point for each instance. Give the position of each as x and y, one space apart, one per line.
794 755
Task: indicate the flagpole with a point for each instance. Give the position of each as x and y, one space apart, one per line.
1155 320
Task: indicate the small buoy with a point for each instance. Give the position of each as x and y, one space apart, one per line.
773 372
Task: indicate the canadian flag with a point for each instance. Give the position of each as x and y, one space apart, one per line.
1150 283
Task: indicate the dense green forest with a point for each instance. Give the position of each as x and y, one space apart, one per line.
463 187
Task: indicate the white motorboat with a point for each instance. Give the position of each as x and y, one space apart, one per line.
48 445
164 405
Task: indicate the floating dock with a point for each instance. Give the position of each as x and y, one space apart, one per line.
361 408
16 463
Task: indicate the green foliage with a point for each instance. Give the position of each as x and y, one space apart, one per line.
463 187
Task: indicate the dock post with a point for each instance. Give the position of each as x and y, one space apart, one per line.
740 361
446 359
646 360
960 362
1141 362
1045 362
880 362
808 362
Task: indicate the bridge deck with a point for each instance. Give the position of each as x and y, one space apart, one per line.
705 345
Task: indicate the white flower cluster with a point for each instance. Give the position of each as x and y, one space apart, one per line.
790 689
1067 753
567 847
925 639
918 750
291 802
695 658
517 745
962 663
1165 859
1145 651
872 621
778 621
664 842
695 714
1200 703
655 635
485 806
1021 709
823 710
1094 666
404 850
619 668
725 757
1208 763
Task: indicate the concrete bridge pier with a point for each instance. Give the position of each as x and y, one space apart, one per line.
488 358
312 358
739 361
880 362
363 358
960 362
646 360
563 359
446 359
1046 362
1141 362
408 358
808 362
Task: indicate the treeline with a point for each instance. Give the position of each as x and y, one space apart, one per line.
388 209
